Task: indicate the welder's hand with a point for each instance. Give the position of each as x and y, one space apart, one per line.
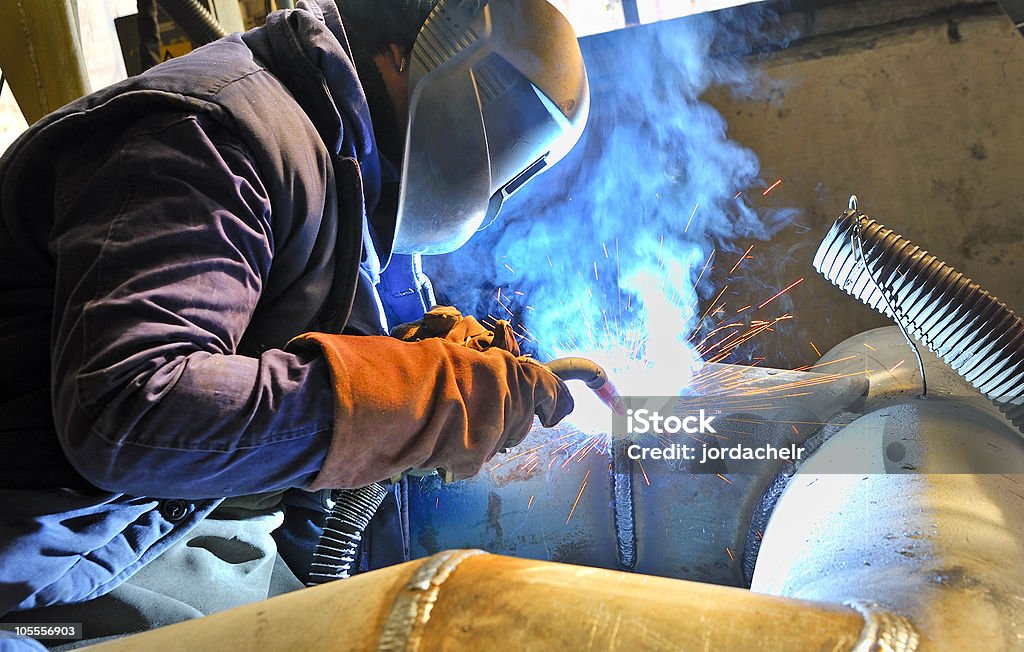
426 405
449 324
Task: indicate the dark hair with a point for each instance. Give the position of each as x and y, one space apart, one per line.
371 26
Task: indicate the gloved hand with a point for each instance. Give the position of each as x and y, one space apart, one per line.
425 405
449 324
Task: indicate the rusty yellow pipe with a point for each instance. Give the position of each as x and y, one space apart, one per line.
41 54
470 600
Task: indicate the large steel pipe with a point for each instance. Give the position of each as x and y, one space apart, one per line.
930 527
469 600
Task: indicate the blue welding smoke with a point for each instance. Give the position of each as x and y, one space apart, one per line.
601 255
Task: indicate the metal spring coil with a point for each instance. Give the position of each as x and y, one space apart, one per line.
971 330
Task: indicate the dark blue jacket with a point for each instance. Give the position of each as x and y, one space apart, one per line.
160 242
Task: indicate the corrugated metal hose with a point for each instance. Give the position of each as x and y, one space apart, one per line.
193 19
335 553
971 330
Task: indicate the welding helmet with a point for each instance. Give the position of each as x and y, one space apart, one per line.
497 93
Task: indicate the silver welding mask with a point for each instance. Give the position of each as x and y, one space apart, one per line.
498 93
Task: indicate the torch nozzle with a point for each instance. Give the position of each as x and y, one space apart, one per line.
593 375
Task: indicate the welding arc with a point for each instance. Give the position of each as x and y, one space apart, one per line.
971 330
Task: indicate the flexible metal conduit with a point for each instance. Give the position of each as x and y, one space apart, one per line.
193 19
343 530
971 330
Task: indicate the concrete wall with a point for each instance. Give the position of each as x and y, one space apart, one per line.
922 119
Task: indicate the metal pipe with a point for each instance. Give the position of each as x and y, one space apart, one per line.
935 535
470 600
929 521
974 332
41 55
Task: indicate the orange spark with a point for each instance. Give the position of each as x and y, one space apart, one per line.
825 364
742 258
644 471
713 302
771 188
814 347
529 504
578 496
781 292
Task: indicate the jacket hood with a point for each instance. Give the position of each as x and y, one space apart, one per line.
308 50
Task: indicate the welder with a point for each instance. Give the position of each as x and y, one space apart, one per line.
199 267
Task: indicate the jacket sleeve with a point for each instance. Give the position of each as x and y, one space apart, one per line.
162 244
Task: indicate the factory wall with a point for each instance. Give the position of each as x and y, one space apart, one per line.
921 118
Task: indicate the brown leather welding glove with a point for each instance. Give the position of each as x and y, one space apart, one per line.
449 324
426 405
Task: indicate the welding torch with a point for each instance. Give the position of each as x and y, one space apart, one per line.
593 375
